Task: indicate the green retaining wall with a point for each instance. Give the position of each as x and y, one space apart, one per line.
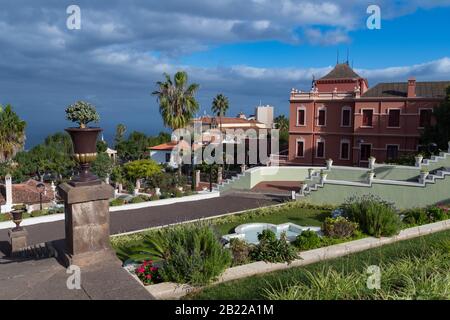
403 196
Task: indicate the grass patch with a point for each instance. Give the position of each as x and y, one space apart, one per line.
424 262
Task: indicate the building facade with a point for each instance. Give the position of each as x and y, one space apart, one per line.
343 119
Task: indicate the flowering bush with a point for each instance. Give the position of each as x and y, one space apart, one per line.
148 273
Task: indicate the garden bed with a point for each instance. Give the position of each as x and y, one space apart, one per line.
405 263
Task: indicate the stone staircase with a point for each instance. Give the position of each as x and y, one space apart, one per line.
315 181
225 183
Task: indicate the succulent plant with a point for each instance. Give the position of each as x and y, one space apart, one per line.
82 113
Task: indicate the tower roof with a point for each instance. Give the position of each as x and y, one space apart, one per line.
341 71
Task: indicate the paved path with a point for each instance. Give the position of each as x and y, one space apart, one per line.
130 220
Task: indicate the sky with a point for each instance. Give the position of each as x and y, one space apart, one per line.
253 51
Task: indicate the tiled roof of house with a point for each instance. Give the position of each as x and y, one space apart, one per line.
27 193
431 89
341 71
169 146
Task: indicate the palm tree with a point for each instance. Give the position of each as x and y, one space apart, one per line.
177 103
12 133
219 108
282 123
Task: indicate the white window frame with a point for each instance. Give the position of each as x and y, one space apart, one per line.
362 117
296 148
317 148
399 118
420 109
342 117
347 141
318 113
302 107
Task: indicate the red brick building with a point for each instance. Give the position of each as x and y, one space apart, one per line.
343 119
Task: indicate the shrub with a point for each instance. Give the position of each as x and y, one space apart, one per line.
116 202
154 197
339 227
148 273
271 249
307 240
82 113
240 250
137 199
415 216
190 254
436 213
374 216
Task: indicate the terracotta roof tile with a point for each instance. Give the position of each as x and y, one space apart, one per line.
431 89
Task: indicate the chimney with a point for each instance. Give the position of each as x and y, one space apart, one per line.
411 87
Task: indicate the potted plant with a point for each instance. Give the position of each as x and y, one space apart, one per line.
418 158
329 164
84 140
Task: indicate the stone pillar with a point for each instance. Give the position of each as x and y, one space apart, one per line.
197 178
9 198
18 240
87 224
219 175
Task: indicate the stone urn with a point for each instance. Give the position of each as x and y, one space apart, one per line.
418 159
329 164
423 176
84 152
323 177
158 191
372 161
310 173
17 216
370 176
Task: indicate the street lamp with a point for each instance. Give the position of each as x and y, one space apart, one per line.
40 187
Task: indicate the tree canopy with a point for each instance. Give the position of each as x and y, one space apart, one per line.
176 98
439 132
140 169
12 133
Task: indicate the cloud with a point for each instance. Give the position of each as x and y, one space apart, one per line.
125 46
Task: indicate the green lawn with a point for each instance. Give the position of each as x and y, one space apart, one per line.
291 212
431 279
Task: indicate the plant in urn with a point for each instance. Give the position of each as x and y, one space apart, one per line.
84 141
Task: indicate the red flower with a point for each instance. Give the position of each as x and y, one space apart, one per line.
141 270
149 276
153 269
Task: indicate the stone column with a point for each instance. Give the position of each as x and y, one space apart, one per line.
197 178
219 175
87 224
9 198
